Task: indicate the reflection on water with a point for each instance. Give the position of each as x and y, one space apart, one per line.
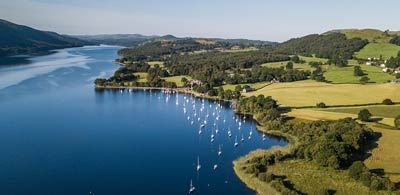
60 136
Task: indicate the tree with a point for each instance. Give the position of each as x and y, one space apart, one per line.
185 81
321 105
100 82
397 122
356 169
295 59
364 115
364 80
387 102
289 66
357 71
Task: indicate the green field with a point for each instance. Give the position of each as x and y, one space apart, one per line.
256 86
345 74
177 80
283 64
391 111
375 50
310 178
373 35
309 93
153 63
386 155
299 66
142 76
313 59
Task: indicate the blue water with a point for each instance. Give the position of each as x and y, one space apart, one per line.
58 135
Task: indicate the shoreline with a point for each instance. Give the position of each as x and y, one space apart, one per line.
178 90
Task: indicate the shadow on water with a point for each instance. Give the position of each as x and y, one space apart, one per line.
8 61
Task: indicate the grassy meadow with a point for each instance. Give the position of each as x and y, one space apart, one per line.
335 74
309 93
388 111
256 86
373 35
375 50
386 155
310 178
177 80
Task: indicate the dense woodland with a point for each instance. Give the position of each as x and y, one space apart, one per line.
333 46
203 60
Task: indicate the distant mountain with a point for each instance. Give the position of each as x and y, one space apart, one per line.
18 39
127 40
132 40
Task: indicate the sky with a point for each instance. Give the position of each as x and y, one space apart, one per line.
273 20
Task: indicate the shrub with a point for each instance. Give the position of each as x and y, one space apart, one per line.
397 122
321 105
387 102
269 177
358 71
364 115
356 169
364 80
262 176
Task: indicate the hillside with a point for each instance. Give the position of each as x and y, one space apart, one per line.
18 39
134 40
127 40
379 42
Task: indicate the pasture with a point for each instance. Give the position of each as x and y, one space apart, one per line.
336 74
309 93
375 50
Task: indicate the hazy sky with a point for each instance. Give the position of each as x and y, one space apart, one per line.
275 20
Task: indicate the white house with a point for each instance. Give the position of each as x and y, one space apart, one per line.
368 63
385 70
383 65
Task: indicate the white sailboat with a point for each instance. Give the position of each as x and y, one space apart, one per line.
219 150
215 167
242 138
263 137
198 164
236 143
191 188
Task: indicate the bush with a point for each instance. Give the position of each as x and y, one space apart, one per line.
364 80
356 169
269 177
358 71
262 176
364 115
397 122
387 102
321 105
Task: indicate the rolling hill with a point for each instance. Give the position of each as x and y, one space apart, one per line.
18 39
379 42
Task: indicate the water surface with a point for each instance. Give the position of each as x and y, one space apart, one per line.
60 136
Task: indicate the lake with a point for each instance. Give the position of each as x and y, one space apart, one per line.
59 135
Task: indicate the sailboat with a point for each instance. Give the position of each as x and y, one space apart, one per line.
219 151
242 138
236 143
263 137
215 166
229 133
191 188
198 164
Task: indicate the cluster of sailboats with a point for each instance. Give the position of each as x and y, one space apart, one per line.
208 118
